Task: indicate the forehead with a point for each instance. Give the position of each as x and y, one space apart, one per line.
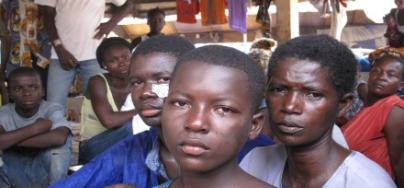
210 77
24 78
389 63
152 63
116 47
307 72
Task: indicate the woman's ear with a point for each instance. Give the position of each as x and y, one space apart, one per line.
257 123
344 104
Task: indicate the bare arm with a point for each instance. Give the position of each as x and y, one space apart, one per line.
56 137
105 28
101 106
67 60
394 131
12 138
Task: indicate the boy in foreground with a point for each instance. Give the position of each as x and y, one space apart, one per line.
205 123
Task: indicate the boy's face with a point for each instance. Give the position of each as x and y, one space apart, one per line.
386 78
302 101
156 22
117 60
26 91
145 71
208 116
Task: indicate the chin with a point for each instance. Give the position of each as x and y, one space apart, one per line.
152 121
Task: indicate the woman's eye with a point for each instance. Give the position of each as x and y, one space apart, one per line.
314 95
276 89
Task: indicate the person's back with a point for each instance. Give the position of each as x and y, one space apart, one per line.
34 134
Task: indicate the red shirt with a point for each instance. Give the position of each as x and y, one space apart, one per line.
365 131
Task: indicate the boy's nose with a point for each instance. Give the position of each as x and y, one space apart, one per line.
197 121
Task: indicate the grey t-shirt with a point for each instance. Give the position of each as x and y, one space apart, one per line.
10 120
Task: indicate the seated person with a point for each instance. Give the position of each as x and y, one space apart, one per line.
310 84
102 122
205 123
141 160
34 134
378 129
156 22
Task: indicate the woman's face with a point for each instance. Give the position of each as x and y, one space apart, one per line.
385 78
303 103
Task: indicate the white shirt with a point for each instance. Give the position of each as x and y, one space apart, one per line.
76 22
268 163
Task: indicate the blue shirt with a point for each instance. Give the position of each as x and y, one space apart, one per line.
135 161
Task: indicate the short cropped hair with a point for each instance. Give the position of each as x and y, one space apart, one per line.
108 43
172 45
154 12
23 70
328 52
232 58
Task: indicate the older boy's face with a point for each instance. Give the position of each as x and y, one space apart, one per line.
26 91
145 71
302 102
207 115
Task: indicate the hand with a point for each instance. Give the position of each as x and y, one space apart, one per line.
103 29
41 125
66 59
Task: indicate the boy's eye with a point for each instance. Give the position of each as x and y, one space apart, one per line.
223 110
163 80
136 82
17 90
181 104
277 89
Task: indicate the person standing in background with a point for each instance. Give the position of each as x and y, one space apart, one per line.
75 30
24 41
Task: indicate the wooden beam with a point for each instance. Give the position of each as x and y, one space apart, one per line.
287 20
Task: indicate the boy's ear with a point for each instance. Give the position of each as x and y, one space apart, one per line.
344 104
257 123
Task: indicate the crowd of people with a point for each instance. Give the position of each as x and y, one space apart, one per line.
295 116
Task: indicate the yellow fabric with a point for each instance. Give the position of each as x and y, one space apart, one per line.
90 124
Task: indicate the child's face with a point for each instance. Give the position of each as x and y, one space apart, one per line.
208 116
26 91
116 60
145 71
156 22
385 78
302 101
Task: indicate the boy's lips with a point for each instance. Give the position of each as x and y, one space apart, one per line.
193 147
150 112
